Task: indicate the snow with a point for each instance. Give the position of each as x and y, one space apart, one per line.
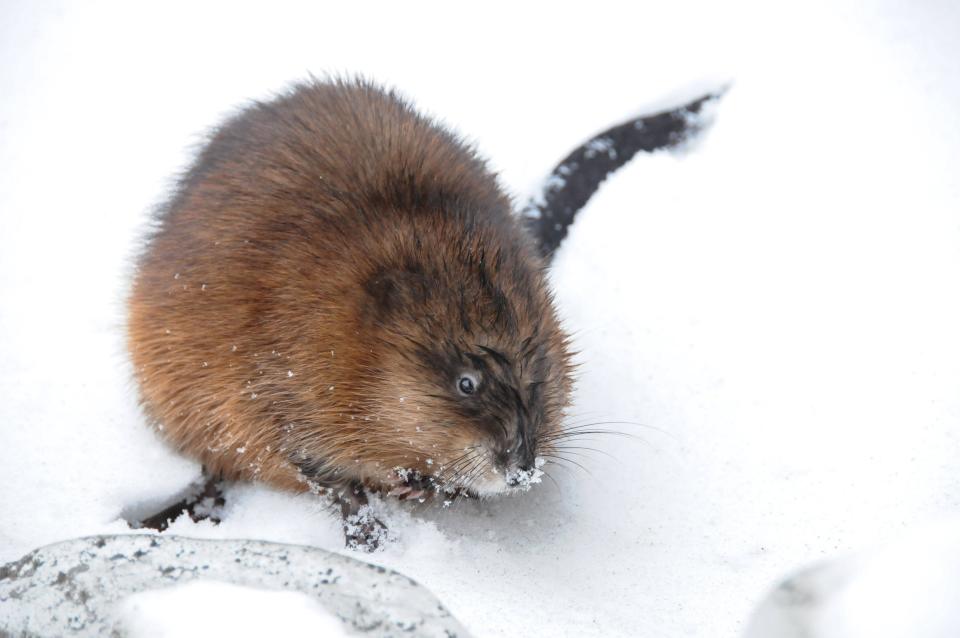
775 308
204 608
525 479
907 588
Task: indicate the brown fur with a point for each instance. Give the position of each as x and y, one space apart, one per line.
324 271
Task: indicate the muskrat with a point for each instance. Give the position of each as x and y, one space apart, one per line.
338 295
338 298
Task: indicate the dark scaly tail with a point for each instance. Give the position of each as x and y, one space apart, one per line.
575 179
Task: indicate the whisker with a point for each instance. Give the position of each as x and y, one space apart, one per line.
566 434
580 454
571 461
476 474
463 458
559 462
464 474
591 449
636 424
552 480
577 431
580 426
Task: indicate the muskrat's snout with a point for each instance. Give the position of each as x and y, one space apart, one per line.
518 464
513 477
518 457
523 476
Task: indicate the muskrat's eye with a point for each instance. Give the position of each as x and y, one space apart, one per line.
467 384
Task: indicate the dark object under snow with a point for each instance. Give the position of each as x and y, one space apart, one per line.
579 175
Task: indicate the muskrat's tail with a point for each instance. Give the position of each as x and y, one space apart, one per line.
575 179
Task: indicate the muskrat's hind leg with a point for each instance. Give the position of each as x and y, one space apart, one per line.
203 503
363 530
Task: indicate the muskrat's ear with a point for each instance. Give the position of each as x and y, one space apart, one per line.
390 290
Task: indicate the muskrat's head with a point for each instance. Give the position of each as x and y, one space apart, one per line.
466 372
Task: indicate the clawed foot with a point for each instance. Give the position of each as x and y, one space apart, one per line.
414 486
362 530
365 532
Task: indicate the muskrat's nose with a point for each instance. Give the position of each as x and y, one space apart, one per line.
517 474
526 459
519 458
522 474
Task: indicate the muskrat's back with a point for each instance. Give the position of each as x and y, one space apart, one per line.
338 293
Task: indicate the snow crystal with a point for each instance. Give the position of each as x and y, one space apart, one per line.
404 473
525 479
600 145
366 532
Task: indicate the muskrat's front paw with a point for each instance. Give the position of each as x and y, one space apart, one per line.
412 485
364 531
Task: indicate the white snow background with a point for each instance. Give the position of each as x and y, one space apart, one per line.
780 302
204 608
